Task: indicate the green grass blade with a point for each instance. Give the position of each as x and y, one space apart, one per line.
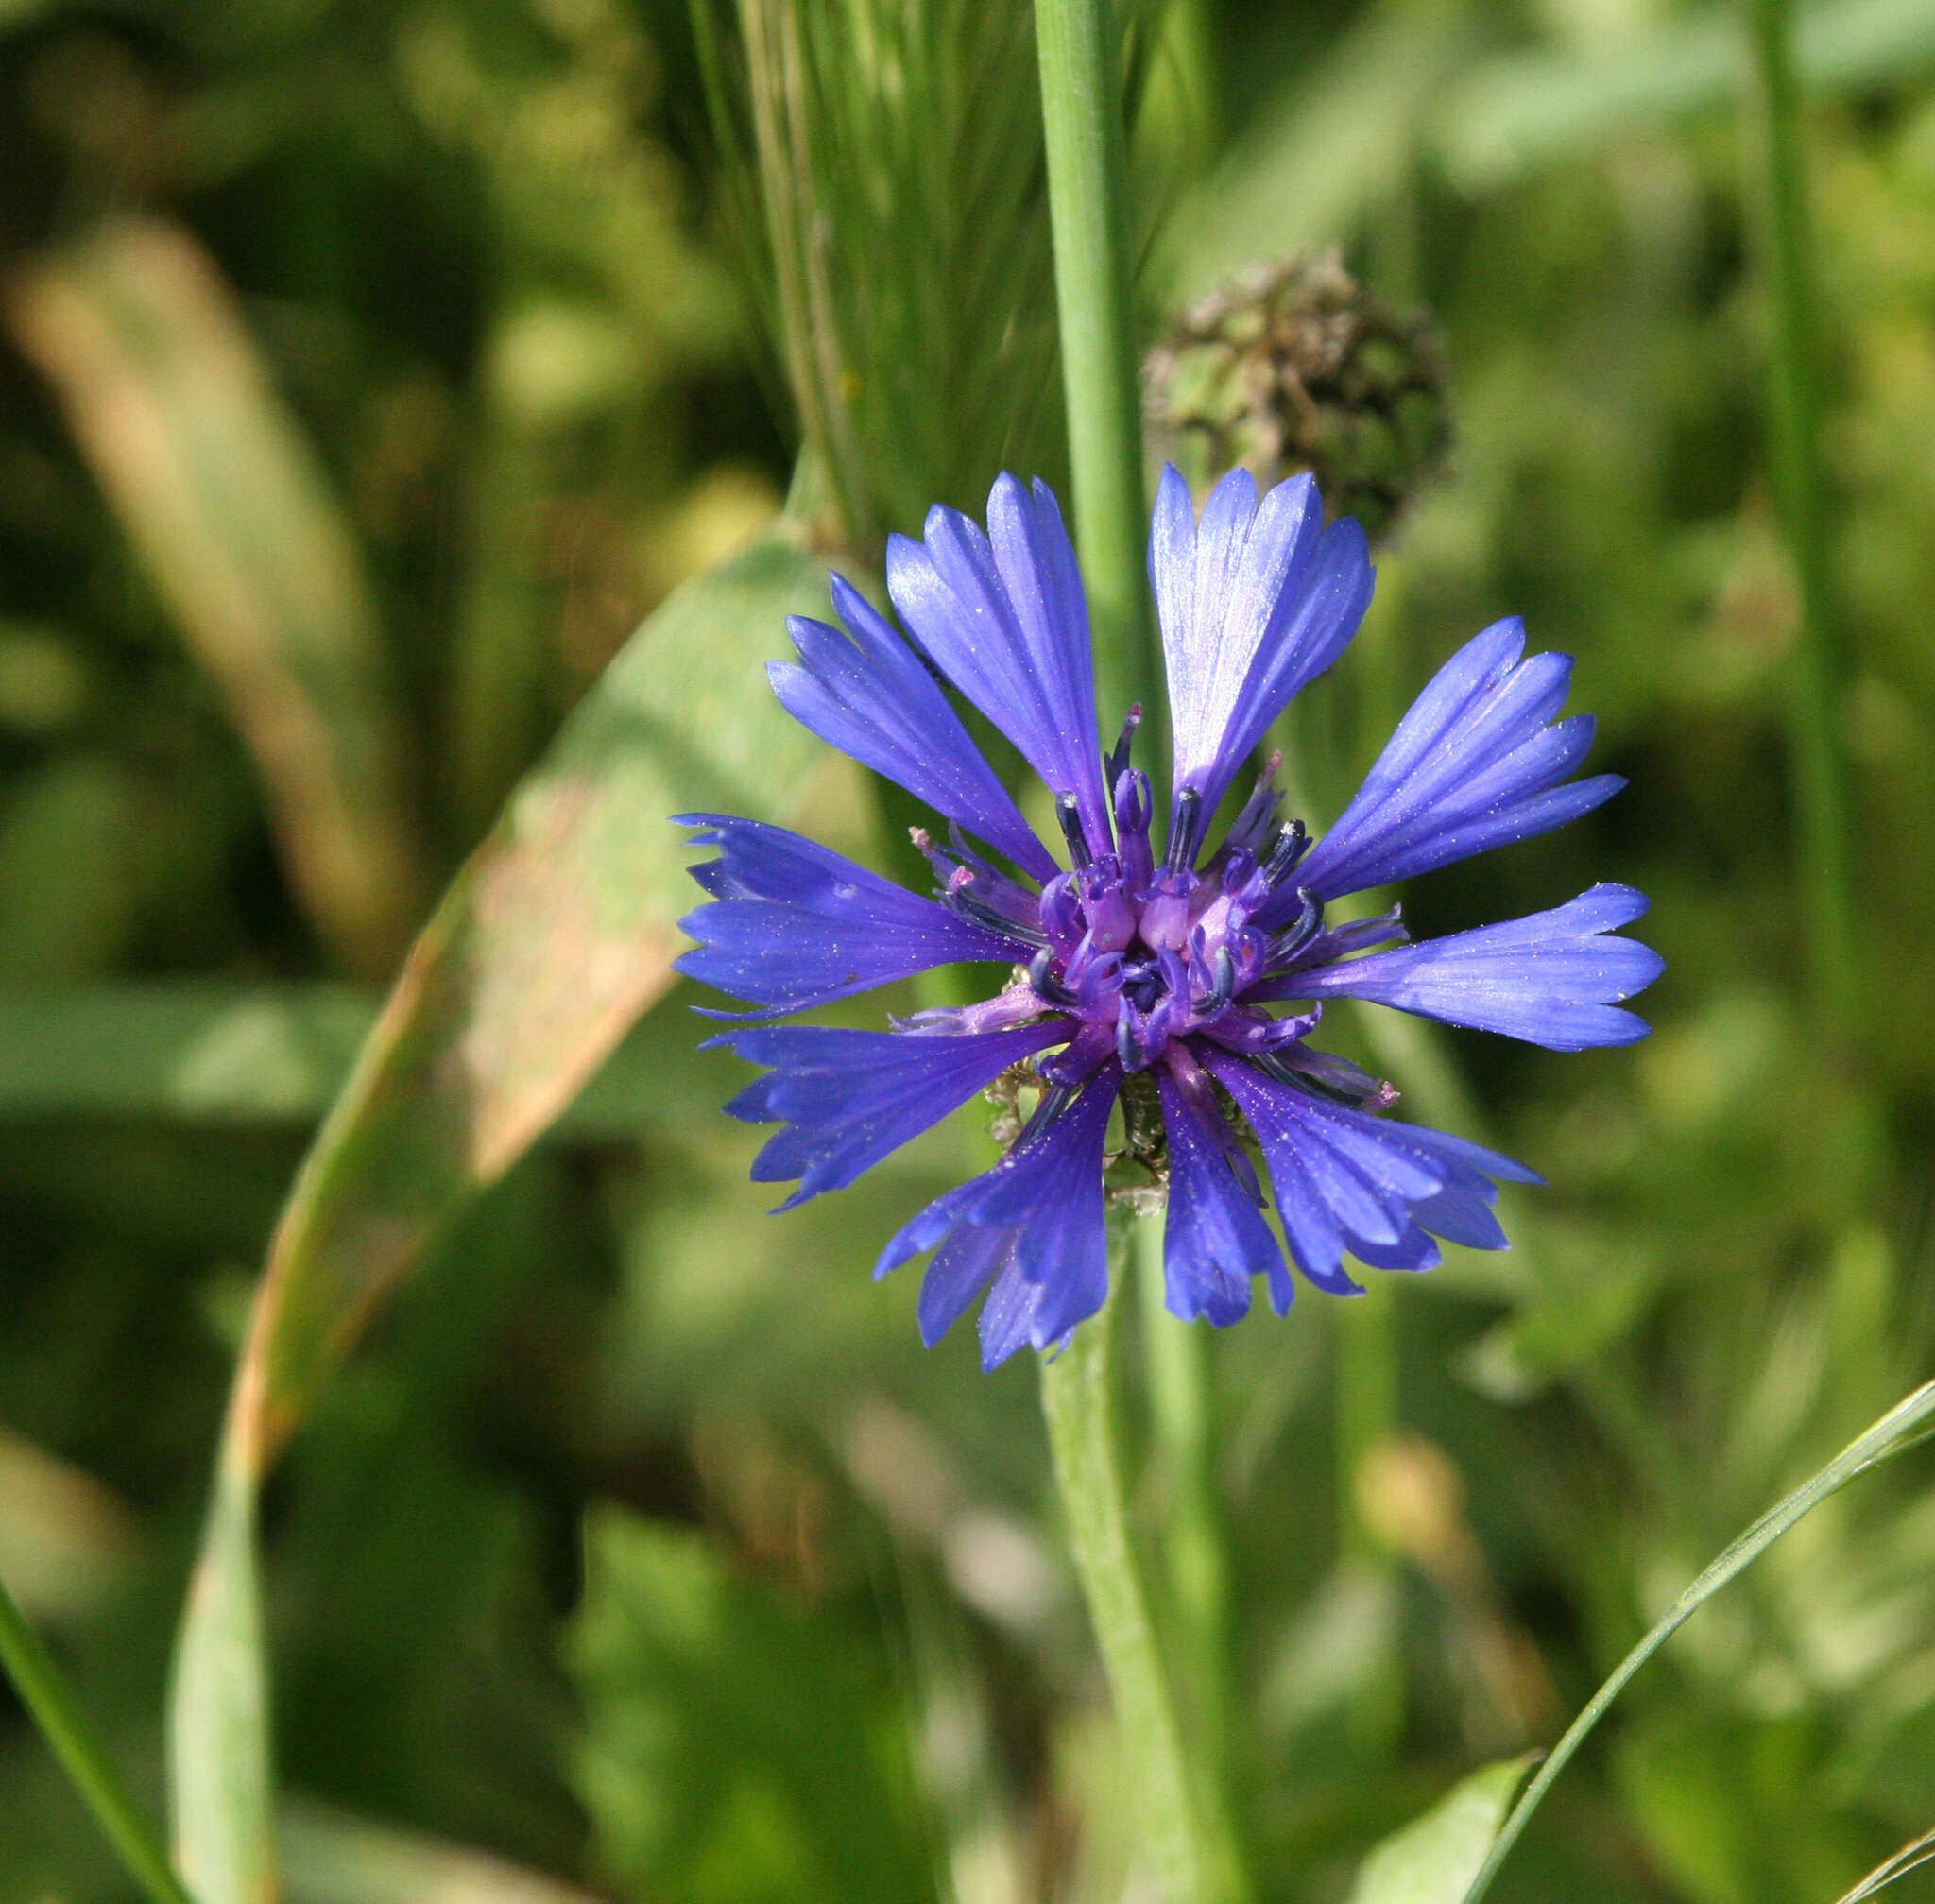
212 1054
1887 1436
1088 167
1912 1857
326 1856
220 1768
50 1703
1337 143
1817 664
555 936
187 1051
1078 1401
1432 1859
1523 111
229 510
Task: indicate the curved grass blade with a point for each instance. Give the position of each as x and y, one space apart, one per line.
1432 1859
1523 111
555 936
1338 143
231 514
332 1857
194 1053
1912 1857
1889 1437
50 1703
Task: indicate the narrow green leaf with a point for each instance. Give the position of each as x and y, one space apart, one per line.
229 508
1887 1438
208 1053
220 1775
1336 144
1912 1857
195 1050
1187 1854
1434 1858
560 930
184 1050
50 1703
331 1857
1512 114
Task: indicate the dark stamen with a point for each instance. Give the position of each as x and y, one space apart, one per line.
1126 1043
1298 933
1041 976
1223 965
1291 845
1182 824
969 907
1331 1089
1067 810
1118 762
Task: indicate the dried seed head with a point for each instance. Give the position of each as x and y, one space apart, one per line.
1297 366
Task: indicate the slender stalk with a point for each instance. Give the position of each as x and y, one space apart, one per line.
1192 1849
1196 1551
1366 1414
1077 1397
1081 123
51 1705
1793 406
1891 1435
1177 1359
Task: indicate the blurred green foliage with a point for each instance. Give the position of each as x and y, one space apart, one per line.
642 1545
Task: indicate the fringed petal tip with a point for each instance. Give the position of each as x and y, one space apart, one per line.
846 1098
1002 614
793 925
1030 1233
1553 978
1477 762
869 694
1253 602
1347 1182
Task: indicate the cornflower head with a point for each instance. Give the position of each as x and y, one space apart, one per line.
1151 981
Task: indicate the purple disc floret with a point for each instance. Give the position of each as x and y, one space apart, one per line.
1179 975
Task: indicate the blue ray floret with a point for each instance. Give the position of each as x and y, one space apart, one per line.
1148 984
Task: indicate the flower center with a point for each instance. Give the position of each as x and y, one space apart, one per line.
1143 953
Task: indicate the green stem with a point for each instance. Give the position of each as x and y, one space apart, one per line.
1077 1397
1892 1435
1196 1551
1366 1414
1177 1359
1082 125
53 1707
1794 429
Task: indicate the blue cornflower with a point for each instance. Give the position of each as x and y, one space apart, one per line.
1130 968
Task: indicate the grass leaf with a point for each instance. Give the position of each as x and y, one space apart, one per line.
1891 1435
559 932
1912 1857
326 1856
1526 109
1433 1857
217 487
